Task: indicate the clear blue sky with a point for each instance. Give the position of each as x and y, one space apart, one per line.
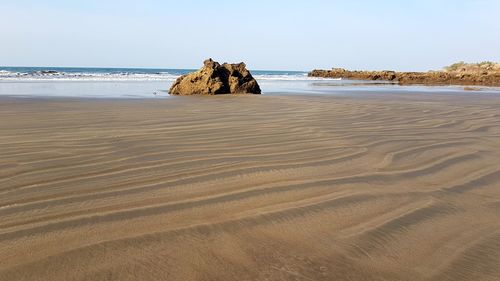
267 34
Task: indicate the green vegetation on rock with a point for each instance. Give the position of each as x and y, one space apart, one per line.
473 67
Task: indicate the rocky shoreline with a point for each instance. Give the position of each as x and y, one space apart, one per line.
481 74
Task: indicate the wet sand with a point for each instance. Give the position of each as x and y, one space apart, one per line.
378 187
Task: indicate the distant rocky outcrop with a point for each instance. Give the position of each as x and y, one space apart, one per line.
485 74
385 75
214 79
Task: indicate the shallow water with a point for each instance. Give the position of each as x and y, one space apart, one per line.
154 83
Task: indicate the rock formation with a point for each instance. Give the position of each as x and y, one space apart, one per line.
486 74
215 79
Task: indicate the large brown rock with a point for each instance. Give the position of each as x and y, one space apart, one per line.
215 79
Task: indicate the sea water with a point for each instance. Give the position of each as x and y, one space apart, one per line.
154 83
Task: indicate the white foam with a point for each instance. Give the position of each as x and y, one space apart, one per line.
126 76
294 77
5 73
85 76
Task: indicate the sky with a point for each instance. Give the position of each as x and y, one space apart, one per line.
266 34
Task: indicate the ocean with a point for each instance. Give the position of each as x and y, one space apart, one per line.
155 82
120 74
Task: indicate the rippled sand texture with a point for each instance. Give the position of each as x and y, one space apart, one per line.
380 187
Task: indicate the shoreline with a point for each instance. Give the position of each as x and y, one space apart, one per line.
158 90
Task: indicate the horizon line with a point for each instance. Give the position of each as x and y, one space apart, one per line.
140 67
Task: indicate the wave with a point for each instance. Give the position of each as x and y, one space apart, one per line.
88 76
31 74
290 77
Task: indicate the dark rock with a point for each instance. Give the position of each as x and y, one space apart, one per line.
215 79
49 72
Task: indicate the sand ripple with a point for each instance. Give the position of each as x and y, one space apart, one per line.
381 187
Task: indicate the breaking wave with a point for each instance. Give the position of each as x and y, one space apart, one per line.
123 74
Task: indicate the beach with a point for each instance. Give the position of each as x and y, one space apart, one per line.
375 186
